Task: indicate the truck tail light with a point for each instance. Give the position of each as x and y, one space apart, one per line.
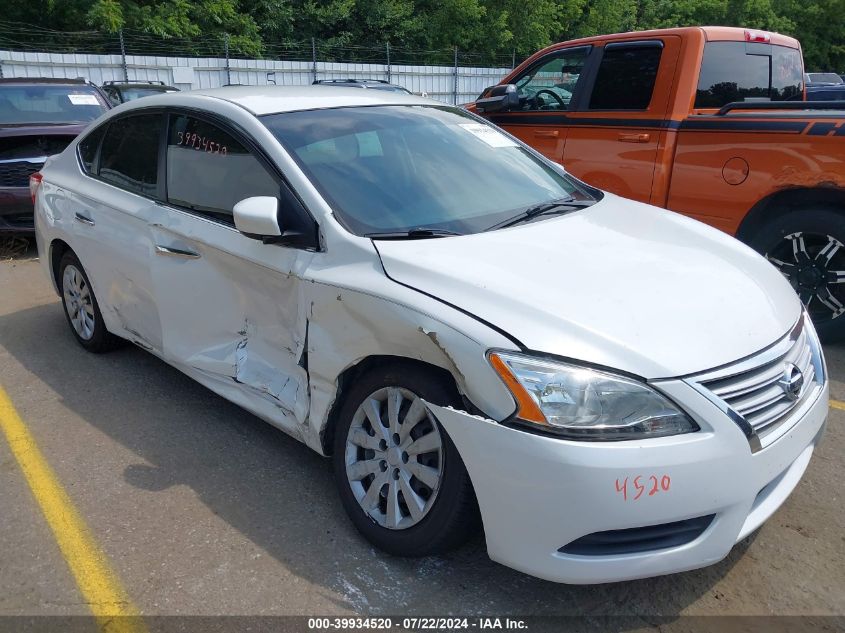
34 183
758 36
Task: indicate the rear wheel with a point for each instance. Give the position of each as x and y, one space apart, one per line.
81 308
400 477
808 247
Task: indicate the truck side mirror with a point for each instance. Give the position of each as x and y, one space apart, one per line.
499 98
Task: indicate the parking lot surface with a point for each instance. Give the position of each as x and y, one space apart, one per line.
202 509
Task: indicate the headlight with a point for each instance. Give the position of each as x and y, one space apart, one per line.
584 404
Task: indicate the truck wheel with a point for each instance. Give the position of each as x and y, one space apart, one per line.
808 247
400 477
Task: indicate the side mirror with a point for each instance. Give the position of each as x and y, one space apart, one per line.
499 98
258 217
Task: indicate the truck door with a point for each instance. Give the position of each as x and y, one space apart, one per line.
613 140
546 90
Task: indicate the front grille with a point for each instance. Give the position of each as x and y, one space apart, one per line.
17 173
765 389
642 539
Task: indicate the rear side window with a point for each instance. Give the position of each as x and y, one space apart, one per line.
626 77
129 155
88 149
209 170
736 71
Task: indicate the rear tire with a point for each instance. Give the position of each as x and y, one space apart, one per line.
808 247
404 486
81 308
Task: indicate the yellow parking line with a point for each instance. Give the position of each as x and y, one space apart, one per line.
837 405
97 582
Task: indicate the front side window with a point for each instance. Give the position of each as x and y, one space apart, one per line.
209 170
551 84
626 77
129 154
736 71
400 168
28 103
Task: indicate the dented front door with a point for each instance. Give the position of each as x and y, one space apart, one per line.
231 313
230 306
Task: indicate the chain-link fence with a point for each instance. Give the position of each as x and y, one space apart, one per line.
450 75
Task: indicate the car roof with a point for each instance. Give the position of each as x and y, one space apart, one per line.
711 34
79 81
261 100
138 84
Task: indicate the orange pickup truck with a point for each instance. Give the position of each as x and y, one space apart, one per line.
704 121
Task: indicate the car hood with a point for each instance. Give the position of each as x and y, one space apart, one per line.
619 284
10 130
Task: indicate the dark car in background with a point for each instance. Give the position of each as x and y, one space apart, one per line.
824 87
38 118
122 91
375 84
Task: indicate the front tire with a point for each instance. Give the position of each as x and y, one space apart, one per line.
808 247
400 477
81 308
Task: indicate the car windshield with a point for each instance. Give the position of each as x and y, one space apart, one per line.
825 78
33 103
399 168
136 93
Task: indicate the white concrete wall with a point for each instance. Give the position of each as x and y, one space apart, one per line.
203 72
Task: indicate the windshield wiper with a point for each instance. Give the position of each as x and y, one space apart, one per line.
412 234
556 206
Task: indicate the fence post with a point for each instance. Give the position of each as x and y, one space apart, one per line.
314 59
455 88
123 56
513 60
387 48
226 51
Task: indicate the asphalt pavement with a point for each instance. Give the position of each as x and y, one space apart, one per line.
202 509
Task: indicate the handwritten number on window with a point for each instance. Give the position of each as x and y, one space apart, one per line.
200 143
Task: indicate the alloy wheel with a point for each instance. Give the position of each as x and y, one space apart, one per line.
78 303
814 264
394 458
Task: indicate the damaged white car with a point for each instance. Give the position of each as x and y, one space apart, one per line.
476 338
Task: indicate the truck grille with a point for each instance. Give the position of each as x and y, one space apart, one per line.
766 388
17 173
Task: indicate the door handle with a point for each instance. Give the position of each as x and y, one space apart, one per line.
176 252
546 133
81 218
636 137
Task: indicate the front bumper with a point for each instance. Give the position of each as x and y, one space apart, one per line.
538 494
16 212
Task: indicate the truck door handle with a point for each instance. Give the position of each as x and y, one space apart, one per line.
636 137
546 133
84 220
175 252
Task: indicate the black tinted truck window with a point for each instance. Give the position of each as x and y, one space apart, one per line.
737 72
626 77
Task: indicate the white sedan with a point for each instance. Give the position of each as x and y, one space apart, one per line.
474 337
